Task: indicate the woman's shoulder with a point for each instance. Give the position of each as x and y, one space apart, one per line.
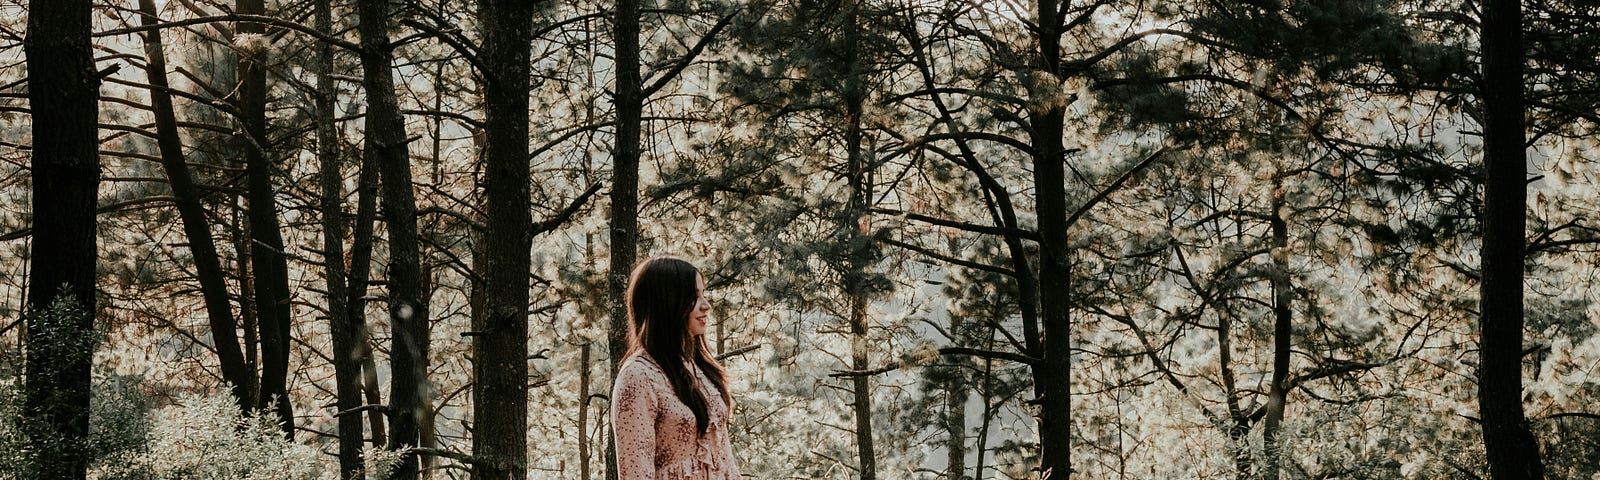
639 367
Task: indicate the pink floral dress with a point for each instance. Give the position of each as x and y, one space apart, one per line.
656 434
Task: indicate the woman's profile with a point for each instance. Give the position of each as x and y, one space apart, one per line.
670 404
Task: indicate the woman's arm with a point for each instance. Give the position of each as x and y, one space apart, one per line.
633 416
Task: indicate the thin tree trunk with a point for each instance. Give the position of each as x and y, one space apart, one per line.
989 405
408 298
629 100
1053 375
858 255
240 225
269 266
62 94
359 280
1512 450
583 412
197 230
1277 397
500 425
348 337
861 387
1238 421
955 416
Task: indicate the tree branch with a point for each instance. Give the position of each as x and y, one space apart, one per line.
970 227
237 18
949 259
1008 356
1116 184
737 352
566 214
688 57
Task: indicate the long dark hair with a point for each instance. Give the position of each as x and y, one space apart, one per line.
661 296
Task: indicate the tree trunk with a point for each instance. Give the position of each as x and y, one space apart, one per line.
408 298
500 365
359 279
1277 396
1511 448
989 403
1053 375
348 336
583 412
629 101
62 94
1238 421
955 413
861 387
197 230
269 266
857 248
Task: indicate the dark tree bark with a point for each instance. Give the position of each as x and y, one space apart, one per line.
386 148
268 264
196 228
583 411
1512 450
1282 315
629 100
955 409
359 280
858 250
500 348
349 336
1053 375
63 89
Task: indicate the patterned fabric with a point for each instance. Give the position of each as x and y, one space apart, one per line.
655 431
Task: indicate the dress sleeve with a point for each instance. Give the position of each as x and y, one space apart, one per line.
633 417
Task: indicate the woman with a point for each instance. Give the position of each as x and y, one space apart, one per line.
670 405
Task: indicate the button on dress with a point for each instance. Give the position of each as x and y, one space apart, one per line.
655 431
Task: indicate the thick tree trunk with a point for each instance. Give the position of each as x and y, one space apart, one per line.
63 89
197 230
1511 448
1053 375
629 100
1277 396
269 266
500 348
408 296
349 337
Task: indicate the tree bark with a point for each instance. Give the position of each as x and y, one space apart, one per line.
386 147
857 247
360 273
583 412
349 337
1053 375
1282 315
1512 450
269 266
197 229
955 416
62 94
629 100
500 347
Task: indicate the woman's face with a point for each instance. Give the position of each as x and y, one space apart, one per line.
702 308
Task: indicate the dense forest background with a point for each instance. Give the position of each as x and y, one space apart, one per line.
953 239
